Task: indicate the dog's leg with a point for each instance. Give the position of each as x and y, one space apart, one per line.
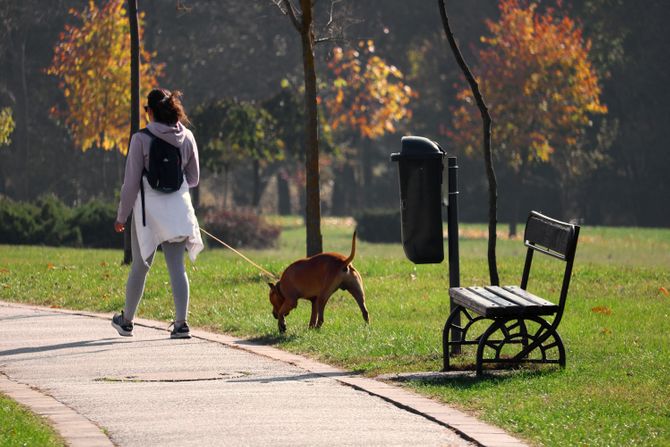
321 304
312 319
354 285
289 304
321 301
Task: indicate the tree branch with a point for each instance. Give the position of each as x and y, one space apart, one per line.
287 8
488 158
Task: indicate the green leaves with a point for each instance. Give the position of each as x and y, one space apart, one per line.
92 61
6 125
230 131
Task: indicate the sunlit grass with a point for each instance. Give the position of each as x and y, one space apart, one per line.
19 427
614 390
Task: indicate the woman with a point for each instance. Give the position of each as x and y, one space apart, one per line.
161 218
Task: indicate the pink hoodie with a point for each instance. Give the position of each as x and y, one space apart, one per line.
138 160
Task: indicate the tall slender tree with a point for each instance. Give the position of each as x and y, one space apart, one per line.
486 128
302 20
134 23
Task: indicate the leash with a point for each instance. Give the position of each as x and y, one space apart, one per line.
271 275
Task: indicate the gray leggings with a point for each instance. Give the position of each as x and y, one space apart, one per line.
174 258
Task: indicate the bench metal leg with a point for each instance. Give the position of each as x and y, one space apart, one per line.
459 322
451 327
514 331
546 333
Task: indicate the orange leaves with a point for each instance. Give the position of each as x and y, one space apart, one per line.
368 95
664 291
603 310
92 61
537 79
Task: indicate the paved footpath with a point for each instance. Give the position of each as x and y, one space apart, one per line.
99 389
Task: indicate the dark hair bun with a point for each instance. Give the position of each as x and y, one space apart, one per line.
166 106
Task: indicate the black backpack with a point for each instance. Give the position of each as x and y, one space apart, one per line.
165 173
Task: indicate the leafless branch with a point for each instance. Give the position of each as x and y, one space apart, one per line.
287 8
332 8
182 7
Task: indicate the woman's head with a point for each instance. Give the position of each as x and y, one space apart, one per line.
166 106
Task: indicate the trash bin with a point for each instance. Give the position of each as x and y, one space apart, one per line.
420 164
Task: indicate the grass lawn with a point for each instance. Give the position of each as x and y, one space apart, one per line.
19 427
615 389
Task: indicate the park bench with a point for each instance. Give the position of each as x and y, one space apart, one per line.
514 326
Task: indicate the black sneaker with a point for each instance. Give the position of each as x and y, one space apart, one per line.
180 330
123 326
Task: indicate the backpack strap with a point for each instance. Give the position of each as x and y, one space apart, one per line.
144 171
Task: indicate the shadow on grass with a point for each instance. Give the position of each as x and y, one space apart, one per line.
464 379
269 339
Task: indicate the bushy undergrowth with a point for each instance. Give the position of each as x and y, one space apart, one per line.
48 221
243 228
379 226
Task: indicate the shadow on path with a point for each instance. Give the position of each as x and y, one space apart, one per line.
74 344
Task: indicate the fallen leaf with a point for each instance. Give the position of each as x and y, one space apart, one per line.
664 291
4 270
605 331
103 264
50 266
604 310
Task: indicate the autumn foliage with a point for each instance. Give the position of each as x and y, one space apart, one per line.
92 61
539 84
367 96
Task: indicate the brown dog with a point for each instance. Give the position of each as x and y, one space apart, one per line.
316 278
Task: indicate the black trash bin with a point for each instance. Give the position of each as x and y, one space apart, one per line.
420 164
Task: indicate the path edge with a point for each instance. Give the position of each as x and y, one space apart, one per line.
466 426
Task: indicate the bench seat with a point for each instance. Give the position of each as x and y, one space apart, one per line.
507 301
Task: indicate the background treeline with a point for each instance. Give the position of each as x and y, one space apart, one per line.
247 52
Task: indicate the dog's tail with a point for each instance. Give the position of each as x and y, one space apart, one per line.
353 251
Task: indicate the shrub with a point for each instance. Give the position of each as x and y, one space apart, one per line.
17 221
382 226
241 229
95 221
54 223
47 221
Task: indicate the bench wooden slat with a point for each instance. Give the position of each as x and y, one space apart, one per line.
511 296
500 300
482 304
508 301
529 296
471 300
531 304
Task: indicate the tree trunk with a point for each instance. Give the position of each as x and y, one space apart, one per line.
256 193
343 190
488 158
21 144
365 190
283 195
515 202
226 174
195 197
312 188
134 102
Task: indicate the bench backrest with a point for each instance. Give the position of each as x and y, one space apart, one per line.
554 238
